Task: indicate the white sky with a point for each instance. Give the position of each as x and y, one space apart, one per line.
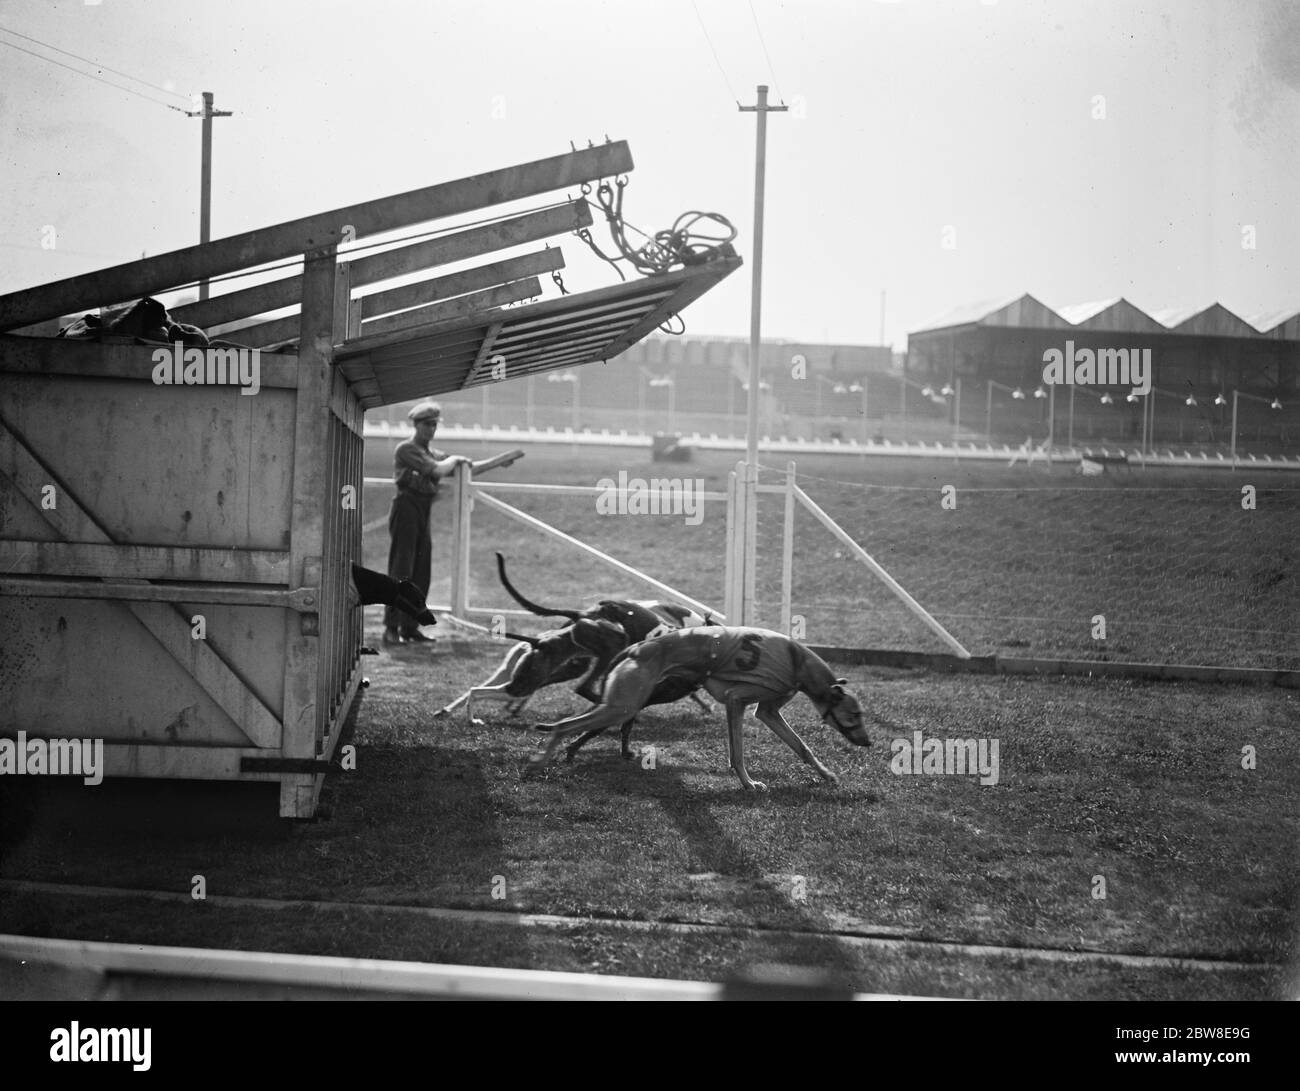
914 115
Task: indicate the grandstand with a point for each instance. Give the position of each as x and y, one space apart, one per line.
1200 356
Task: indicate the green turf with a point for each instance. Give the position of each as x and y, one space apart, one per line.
1141 784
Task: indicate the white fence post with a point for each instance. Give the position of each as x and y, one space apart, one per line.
462 505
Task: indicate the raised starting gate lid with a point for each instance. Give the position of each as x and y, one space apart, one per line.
469 351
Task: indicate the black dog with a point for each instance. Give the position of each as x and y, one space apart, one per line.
582 649
375 587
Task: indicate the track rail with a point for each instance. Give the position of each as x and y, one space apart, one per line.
880 938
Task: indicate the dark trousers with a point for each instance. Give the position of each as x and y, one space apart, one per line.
410 550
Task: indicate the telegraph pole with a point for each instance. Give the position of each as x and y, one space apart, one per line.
762 109
205 176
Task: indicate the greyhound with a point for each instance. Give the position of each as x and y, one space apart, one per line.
640 619
559 655
582 649
739 666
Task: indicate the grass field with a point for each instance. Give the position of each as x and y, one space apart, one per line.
665 867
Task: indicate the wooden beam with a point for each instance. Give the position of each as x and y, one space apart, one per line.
261 334
304 718
118 561
474 303
530 227
201 593
231 307
470 280
47 356
180 267
408 259
470 243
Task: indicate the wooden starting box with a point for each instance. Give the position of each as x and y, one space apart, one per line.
177 524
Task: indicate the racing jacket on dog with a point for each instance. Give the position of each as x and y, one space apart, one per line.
746 657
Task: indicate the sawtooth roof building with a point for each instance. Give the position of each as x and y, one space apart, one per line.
1199 357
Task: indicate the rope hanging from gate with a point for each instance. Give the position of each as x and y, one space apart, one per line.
679 246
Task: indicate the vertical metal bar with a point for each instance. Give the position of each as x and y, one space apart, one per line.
787 550
729 553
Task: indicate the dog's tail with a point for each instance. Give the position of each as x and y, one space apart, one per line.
532 607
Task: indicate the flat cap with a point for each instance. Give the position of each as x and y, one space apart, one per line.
425 411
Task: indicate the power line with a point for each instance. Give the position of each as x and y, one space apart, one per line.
775 82
721 70
87 60
91 75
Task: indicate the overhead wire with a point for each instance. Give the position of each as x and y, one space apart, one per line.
92 76
775 84
87 60
722 71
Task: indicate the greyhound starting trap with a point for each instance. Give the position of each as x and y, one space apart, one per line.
174 559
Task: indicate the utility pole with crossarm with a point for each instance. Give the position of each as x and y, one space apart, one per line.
205 177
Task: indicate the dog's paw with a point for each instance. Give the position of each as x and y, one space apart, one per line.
755 786
477 721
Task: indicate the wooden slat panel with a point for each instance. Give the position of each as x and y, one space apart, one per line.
135 562
151 275
687 292
617 320
636 305
474 303
470 243
599 332
470 280
585 346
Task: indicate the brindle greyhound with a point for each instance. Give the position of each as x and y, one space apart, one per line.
582 649
739 667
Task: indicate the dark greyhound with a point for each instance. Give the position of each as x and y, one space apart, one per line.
582 649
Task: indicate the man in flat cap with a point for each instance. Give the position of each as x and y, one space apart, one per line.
417 470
